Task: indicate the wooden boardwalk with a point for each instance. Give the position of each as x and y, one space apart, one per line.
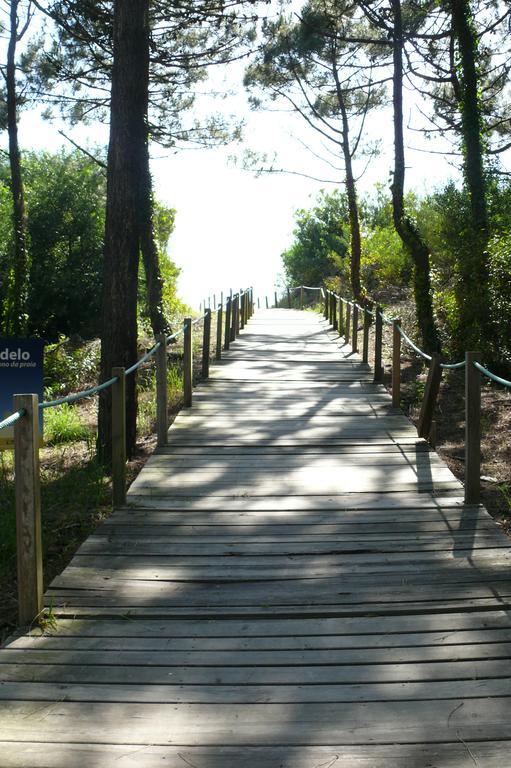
294 583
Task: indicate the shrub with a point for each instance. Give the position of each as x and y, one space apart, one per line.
62 425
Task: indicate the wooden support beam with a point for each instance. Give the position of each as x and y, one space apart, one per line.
228 312
340 319
119 438
243 299
276 300
354 333
378 339
28 509
288 299
206 344
161 391
396 363
472 429
347 323
301 297
219 318
187 362
430 397
365 340
234 320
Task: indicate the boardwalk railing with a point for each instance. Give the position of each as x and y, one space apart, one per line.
350 318
25 420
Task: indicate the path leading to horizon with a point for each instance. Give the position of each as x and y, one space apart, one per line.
295 582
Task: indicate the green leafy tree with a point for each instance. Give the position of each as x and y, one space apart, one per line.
310 62
320 248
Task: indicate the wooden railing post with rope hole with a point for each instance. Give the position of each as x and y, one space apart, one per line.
28 508
161 391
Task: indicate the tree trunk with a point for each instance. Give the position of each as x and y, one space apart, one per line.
128 137
353 212
406 229
473 288
149 248
17 320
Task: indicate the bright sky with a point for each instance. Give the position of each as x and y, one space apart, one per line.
232 227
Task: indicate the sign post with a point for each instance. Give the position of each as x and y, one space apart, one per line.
21 372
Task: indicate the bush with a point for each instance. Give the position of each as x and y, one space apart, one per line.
500 293
69 366
62 425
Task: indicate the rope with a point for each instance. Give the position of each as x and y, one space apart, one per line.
174 335
388 321
490 375
142 359
452 365
311 287
79 395
412 345
12 419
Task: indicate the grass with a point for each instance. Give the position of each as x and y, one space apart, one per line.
75 496
62 425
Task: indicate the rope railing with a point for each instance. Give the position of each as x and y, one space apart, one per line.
12 419
492 376
238 309
474 371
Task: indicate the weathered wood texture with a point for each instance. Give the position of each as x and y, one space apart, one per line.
294 582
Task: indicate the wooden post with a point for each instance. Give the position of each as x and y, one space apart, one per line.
276 300
206 344
347 323
187 362
301 297
396 363
334 313
227 333
288 299
233 317
365 342
28 509
340 318
243 299
430 397
326 298
354 333
238 307
267 304
472 429
218 348
119 438
161 391
378 338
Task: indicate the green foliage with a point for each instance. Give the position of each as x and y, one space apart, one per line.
62 425
69 367
65 196
500 293
320 247
384 259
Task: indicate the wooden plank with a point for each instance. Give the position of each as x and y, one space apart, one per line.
457 754
382 674
201 724
256 694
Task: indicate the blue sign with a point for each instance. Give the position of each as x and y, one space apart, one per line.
21 373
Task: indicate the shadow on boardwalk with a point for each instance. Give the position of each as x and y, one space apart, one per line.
295 583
